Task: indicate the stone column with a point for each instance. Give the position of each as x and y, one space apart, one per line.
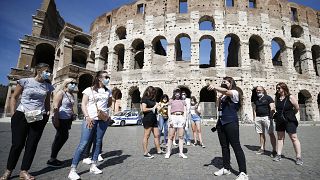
148 55
195 53
128 59
112 61
171 55
125 99
26 55
99 63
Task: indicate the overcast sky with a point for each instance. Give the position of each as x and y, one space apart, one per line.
16 21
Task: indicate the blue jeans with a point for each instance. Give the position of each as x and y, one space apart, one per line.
163 125
187 137
100 127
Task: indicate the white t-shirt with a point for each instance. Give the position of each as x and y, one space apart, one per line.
101 97
234 98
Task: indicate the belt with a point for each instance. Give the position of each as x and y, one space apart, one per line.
177 113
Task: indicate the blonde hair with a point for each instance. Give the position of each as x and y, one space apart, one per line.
65 82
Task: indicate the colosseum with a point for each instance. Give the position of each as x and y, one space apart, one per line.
160 43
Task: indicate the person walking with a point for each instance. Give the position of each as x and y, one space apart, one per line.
196 121
63 116
28 119
228 127
163 117
95 99
263 109
286 109
177 112
149 107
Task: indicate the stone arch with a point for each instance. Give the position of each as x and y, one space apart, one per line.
159 45
256 47
300 57
116 99
85 80
119 56
81 41
232 50
316 58
208 103
138 52
58 52
279 53
296 31
305 105
183 53
206 23
104 54
159 93
185 89
79 58
92 55
121 33
207 96
44 53
134 97
207 51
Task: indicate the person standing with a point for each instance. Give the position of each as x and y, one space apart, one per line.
228 127
149 107
287 106
177 112
187 137
63 116
97 97
196 121
28 119
163 117
263 109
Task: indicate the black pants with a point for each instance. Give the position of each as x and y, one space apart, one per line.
229 134
24 135
61 137
91 142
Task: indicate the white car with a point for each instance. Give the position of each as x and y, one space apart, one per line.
127 117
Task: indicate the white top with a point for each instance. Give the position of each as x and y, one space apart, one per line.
234 98
101 97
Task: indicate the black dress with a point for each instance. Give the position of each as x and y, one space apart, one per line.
149 118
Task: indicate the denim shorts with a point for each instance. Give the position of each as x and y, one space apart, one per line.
195 117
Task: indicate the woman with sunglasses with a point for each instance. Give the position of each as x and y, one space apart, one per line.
63 116
287 105
228 127
35 98
98 96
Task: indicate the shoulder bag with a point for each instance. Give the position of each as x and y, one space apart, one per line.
101 114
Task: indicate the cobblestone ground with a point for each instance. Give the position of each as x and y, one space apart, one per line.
122 151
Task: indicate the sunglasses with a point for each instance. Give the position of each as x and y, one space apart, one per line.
74 83
183 94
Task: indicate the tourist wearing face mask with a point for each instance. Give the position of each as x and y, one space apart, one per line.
196 121
97 97
228 127
63 116
177 112
187 137
263 109
28 119
163 117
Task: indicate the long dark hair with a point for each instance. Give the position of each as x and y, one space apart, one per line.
95 82
150 93
285 88
233 86
174 92
163 97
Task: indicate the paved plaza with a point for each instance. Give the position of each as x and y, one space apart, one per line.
122 150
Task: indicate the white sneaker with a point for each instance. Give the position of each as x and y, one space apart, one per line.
167 156
87 161
221 172
174 143
73 175
188 143
94 169
183 156
100 158
242 176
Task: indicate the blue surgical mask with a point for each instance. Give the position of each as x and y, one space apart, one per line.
105 82
45 75
177 95
72 87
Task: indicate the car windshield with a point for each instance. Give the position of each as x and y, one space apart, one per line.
120 114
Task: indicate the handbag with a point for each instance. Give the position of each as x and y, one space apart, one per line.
33 116
101 114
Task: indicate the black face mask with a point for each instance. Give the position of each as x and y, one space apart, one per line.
224 86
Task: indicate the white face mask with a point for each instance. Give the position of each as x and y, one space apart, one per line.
259 95
45 75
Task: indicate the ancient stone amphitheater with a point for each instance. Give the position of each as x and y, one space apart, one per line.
183 43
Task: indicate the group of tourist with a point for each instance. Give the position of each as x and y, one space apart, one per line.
174 116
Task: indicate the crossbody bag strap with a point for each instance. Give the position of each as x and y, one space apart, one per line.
69 100
94 99
284 105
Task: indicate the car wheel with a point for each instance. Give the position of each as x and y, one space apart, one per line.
122 123
139 122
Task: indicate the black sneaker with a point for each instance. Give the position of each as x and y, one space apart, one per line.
55 163
277 158
148 156
273 154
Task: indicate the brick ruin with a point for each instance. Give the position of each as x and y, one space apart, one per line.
139 44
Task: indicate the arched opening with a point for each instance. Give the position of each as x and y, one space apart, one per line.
207 52
135 98
159 45
186 90
119 55
183 47
92 55
296 31
116 100
104 56
79 58
232 50
300 57
159 94
82 41
316 58
85 81
121 33
305 105
58 52
256 47
208 103
44 53
138 51
206 23
278 47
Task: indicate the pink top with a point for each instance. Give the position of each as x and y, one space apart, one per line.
177 105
